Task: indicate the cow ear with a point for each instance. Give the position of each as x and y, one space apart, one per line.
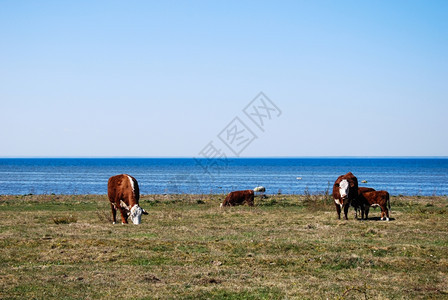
336 184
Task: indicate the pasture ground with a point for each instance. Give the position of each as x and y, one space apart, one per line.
286 247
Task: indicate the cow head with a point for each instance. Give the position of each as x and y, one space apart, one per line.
344 188
136 214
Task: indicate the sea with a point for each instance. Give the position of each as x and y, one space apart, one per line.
399 176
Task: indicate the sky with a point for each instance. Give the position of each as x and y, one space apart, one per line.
183 78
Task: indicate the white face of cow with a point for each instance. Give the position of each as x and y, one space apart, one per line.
344 188
136 214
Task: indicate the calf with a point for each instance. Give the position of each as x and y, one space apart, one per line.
123 193
375 198
238 198
345 189
357 203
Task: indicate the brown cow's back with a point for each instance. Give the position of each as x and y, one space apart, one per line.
363 189
121 187
239 197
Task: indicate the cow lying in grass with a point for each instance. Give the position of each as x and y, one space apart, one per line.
124 194
374 198
345 190
238 198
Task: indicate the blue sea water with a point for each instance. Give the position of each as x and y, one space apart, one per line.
407 176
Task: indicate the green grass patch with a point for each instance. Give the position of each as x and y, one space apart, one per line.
286 247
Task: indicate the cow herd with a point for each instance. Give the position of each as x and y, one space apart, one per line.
124 194
346 193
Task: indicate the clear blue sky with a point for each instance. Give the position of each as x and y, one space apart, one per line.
164 78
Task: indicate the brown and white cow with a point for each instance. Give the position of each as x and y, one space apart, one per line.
357 202
345 189
238 198
124 194
260 189
375 198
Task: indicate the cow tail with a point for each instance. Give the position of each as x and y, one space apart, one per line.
388 203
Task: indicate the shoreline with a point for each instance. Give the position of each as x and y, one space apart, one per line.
323 200
217 194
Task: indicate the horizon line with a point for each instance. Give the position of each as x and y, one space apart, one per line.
229 157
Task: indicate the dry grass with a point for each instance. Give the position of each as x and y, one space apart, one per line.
286 247
65 219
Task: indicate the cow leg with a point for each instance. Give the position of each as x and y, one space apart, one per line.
367 212
384 214
338 210
114 213
124 220
124 215
346 207
388 207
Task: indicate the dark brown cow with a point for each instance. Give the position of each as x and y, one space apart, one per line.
375 198
345 189
124 193
357 203
238 198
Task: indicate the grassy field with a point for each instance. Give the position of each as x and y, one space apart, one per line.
286 247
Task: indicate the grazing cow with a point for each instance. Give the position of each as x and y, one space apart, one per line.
238 198
375 198
345 189
357 203
124 194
